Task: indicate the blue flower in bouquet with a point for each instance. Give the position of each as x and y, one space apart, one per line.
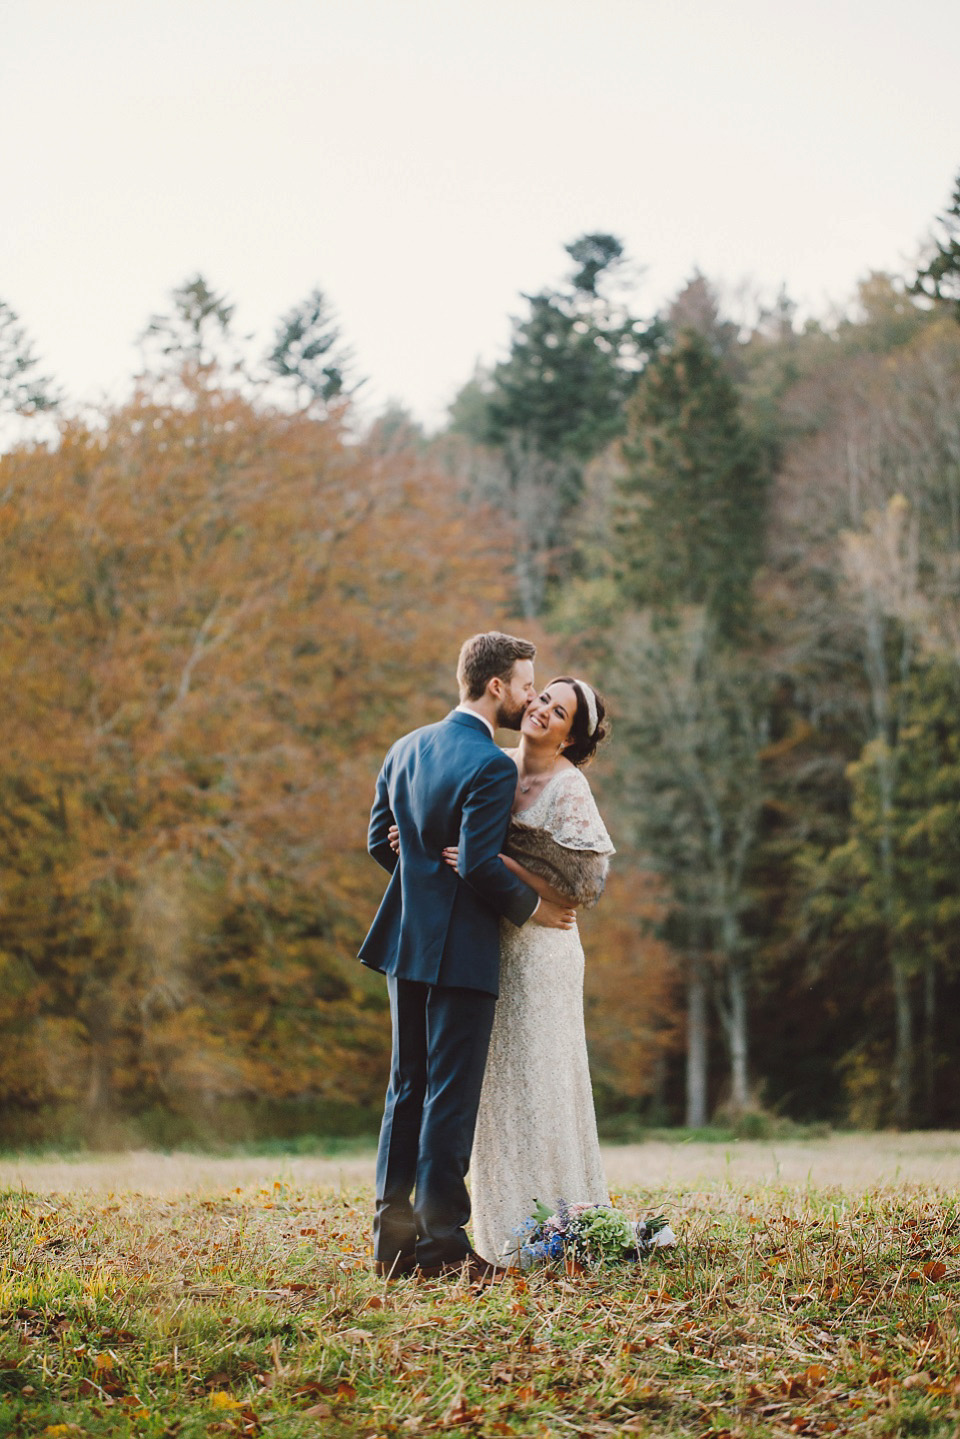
589 1234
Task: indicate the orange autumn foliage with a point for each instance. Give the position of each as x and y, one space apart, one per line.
630 985
216 617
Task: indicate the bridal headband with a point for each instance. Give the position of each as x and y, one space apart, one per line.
591 699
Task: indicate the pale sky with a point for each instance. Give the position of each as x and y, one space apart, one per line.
424 161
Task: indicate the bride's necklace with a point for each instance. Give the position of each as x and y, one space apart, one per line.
525 785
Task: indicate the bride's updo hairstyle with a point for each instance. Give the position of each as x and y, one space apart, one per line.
582 745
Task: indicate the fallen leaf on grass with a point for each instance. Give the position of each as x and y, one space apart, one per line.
460 1412
311 1391
941 1387
136 1408
934 1270
918 1381
317 1411
811 1378
219 1380
54 1242
500 1374
220 1399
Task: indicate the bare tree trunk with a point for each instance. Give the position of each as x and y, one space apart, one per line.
733 1010
658 1098
737 1031
903 1042
929 1040
697 1044
902 1008
97 1096
529 570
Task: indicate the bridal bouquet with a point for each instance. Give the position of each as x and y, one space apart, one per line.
588 1234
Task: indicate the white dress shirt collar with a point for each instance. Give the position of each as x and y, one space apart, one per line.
466 710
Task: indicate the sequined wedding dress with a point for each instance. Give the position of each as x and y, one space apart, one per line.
536 1135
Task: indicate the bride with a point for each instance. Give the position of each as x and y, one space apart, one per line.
536 1135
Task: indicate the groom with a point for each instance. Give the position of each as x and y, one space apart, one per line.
436 938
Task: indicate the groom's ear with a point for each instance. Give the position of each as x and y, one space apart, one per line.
495 687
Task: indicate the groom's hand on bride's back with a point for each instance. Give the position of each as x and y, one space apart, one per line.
554 916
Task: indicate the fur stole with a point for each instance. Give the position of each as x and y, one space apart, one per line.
579 873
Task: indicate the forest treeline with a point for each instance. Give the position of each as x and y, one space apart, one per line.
223 598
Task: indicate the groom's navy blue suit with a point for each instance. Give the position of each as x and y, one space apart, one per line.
436 937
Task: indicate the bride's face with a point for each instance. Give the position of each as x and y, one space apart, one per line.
549 717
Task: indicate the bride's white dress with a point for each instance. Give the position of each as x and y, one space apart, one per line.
536 1135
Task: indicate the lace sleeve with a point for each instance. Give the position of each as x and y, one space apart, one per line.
562 838
572 817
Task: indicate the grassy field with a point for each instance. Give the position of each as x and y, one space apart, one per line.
814 1291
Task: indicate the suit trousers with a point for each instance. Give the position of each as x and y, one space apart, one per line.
440 1039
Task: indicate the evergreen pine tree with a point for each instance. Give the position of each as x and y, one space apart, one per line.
691 512
939 279
307 351
573 361
22 390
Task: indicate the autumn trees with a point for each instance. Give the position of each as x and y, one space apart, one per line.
217 614
760 566
222 599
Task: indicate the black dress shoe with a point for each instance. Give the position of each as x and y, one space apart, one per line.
471 1267
396 1267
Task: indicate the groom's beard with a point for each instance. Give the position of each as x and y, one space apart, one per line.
510 718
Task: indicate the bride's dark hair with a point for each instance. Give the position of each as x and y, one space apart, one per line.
582 745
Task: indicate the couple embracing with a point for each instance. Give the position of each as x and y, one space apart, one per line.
490 852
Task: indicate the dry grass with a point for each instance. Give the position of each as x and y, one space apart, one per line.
857 1162
792 1305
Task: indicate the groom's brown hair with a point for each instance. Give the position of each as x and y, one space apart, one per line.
489 656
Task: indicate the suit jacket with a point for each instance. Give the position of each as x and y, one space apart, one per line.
445 784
